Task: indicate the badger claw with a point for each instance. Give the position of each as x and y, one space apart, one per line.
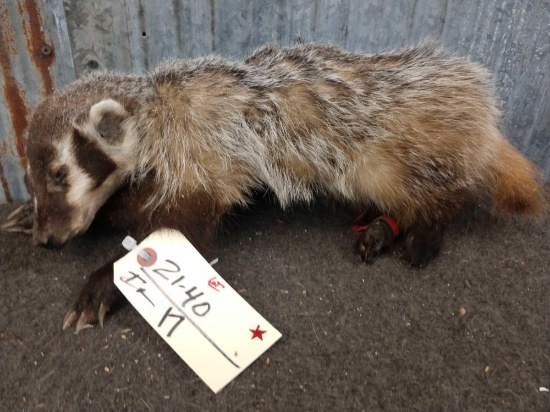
101 314
69 319
98 295
21 219
85 319
81 325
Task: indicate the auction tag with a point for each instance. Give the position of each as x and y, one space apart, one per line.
209 325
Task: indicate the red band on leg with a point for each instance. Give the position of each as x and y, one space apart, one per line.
358 228
390 221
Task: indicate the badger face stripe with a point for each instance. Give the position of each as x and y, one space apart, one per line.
91 159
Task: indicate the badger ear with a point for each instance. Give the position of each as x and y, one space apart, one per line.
106 118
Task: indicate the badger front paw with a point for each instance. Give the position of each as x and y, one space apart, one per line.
98 296
85 316
373 239
21 219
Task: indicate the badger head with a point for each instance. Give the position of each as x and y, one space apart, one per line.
78 155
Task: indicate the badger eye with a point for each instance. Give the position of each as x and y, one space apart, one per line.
59 177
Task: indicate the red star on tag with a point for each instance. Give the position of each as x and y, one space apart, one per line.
257 333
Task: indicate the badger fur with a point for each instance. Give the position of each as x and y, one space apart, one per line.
412 132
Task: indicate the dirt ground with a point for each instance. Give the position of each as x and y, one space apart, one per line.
469 332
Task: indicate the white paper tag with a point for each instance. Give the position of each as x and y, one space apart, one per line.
209 325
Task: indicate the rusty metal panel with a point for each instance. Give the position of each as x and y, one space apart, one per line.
35 58
509 37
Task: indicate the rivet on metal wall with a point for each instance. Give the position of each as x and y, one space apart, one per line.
46 50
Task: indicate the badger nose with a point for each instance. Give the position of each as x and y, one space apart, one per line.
52 243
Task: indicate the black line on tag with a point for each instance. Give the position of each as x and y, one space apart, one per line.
191 320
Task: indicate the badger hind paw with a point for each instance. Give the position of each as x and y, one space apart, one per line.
373 240
21 219
423 243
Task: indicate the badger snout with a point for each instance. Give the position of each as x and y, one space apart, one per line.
49 241
53 243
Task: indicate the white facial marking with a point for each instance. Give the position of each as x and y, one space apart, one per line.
82 195
80 184
64 152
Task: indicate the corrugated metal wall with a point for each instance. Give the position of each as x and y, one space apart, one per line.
46 43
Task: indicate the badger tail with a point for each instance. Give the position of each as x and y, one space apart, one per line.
516 184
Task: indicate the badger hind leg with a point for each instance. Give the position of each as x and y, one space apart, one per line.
425 225
373 240
374 234
423 242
